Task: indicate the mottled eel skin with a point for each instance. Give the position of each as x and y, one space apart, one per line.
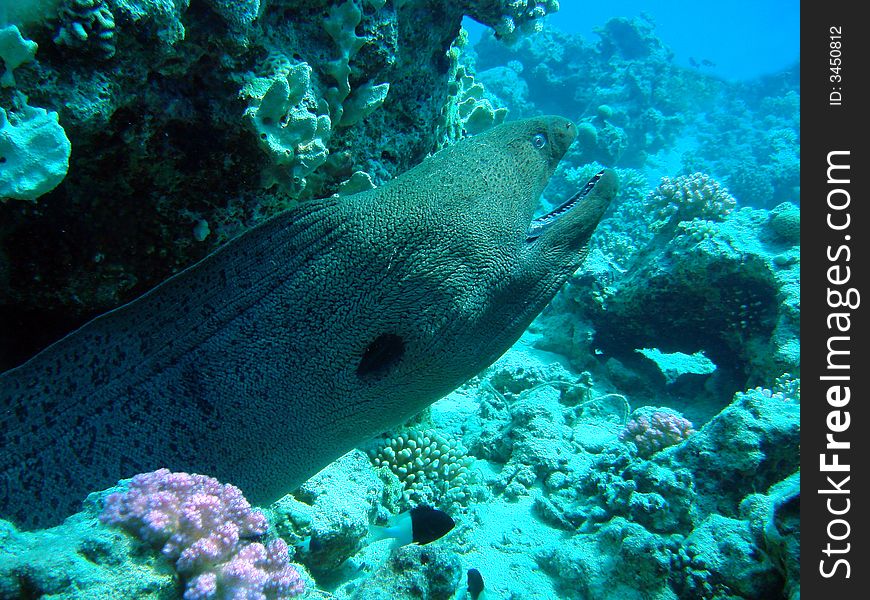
305 336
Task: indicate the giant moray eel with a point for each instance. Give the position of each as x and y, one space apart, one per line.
305 336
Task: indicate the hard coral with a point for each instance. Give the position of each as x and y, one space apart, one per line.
510 18
651 431
34 153
695 196
428 464
201 524
785 223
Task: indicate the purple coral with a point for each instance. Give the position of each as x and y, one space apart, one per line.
202 525
655 431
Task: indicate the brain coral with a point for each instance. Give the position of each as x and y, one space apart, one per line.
428 464
785 223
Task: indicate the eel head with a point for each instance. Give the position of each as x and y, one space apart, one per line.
470 268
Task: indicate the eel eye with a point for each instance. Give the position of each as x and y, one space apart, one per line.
539 140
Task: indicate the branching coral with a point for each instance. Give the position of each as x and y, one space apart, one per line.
654 430
292 134
695 196
202 525
510 18
698 229
789 386
349 106
87 24
430 466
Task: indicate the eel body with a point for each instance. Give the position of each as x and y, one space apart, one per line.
303 337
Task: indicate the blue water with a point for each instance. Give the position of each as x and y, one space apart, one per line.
743 39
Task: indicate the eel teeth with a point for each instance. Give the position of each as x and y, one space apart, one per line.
541 224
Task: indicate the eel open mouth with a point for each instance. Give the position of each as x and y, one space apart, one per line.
541 224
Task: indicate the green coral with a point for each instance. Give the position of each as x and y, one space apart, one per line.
289 127
349 106
789 386
87 24
430 466
15 50
469 110
34 153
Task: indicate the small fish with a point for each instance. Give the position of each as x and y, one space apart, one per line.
309 544
475 584
420 525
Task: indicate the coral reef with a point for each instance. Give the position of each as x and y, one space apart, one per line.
510 18
162 99
571 466
565 506
414 572
745 134
81 560
334 508
725 288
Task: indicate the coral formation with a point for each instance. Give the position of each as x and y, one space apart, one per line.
15 50
87 24
293 136
653 429
785 223
204 527
510 18
695 196
368 83
720 287
430 466
334 508
81 560
468 109
34 153
414 572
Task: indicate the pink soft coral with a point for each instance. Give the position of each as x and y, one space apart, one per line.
203 526
656 430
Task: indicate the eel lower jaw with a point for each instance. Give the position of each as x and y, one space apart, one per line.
539 225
